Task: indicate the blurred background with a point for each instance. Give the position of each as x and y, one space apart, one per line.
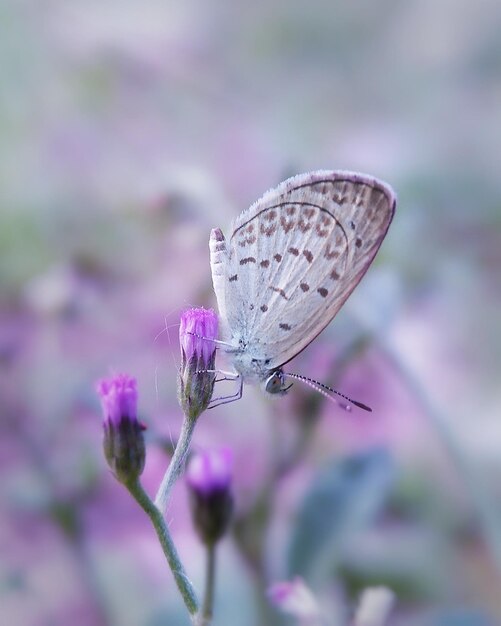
128 131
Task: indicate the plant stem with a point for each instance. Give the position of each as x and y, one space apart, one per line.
210 577
183 583
176 464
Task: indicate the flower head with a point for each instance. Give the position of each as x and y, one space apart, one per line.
197 334
118 398
210 471
209 480
123 442
197 331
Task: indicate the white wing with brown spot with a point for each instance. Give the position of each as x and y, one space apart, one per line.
294 257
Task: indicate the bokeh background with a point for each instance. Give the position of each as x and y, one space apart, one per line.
128 131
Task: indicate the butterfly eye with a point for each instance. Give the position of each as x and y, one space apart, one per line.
275 382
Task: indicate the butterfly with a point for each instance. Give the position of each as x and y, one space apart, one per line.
292 260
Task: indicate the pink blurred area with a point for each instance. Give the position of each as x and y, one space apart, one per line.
128 132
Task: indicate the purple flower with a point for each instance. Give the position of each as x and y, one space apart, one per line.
197 335
118 398
123 441
210 471
197 330
209 480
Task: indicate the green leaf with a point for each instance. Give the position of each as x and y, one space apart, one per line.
343 498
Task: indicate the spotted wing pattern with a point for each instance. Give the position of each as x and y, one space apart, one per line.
295 256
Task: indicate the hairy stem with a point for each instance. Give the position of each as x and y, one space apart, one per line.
183 583
176 464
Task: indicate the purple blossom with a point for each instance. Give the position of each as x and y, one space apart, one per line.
210 470
118 398
209 481
123 442
197 330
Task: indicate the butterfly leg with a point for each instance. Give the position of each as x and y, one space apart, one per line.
225 375
232 397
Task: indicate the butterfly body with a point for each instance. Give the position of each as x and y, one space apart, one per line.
292 260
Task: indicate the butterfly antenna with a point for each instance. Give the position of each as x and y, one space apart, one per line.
218 342
324 389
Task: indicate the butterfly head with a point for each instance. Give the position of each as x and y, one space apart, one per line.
274 383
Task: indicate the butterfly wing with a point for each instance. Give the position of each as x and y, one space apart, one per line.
295 256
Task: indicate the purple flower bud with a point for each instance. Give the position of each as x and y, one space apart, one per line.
197 334
123 442
118 398
210 470
209 480
197 330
